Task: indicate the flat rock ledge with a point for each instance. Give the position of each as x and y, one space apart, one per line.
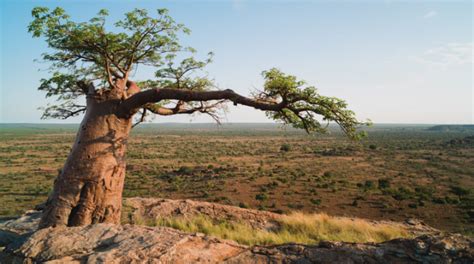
130 243
105 243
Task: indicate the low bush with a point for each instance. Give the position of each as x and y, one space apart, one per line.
261 197
285 148
384 183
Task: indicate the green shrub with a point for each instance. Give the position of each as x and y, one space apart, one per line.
261 197
459 191
450 200
369 184
185 170
438 200
327 174
402 194
285 148
384 183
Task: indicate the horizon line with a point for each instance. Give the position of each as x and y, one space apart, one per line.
223 123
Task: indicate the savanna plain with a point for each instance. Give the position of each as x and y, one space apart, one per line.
398 172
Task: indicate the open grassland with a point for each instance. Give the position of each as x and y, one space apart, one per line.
399 172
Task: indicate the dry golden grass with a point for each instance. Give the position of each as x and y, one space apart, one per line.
293 228
316 227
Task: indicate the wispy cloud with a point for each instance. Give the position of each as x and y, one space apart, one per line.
430 14
448 54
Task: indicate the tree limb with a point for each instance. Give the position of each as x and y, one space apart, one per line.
142 118
130 105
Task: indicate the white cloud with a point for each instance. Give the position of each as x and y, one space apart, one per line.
430 14
448 54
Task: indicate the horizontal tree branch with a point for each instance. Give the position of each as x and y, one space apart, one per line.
140 99
181 109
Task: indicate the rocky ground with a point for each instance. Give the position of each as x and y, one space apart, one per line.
153 208
132 243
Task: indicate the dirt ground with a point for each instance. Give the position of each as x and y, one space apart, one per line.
398 172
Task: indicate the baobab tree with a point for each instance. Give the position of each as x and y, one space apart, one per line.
96 60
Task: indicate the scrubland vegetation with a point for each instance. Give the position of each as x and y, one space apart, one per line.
399 172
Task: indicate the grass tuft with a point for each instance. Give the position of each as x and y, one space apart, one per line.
294 228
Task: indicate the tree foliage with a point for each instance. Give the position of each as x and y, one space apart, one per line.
95 53
304 104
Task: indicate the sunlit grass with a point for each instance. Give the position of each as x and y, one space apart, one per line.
296 228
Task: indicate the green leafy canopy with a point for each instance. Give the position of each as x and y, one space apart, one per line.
94 51
100 53
304 105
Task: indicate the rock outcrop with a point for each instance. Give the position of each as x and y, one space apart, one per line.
153 208
12 230
425 249
106 243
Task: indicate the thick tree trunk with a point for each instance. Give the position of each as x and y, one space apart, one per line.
89 188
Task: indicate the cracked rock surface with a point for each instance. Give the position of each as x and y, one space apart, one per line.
107 243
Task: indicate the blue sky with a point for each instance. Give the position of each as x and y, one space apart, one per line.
393 62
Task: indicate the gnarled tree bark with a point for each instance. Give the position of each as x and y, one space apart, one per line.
89 187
